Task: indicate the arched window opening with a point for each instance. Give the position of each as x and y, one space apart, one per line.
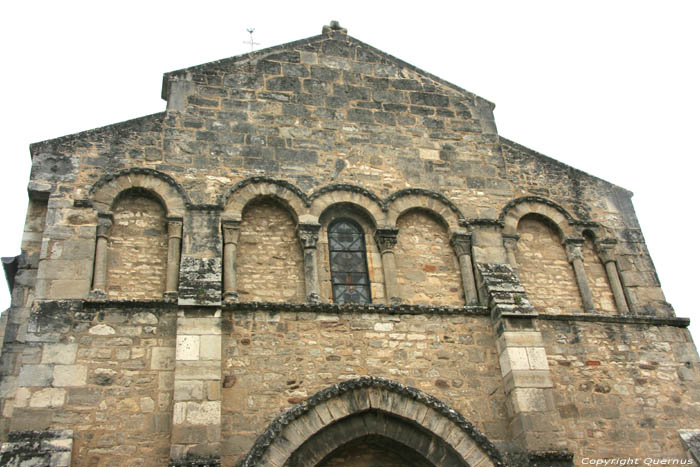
348 262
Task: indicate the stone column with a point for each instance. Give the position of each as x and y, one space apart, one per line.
606 253
99 277
574 252
462 244
195 438
510 242
308 237
386 241
231 231
174 245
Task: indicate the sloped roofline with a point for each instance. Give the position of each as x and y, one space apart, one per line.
126 125
533 153
261 53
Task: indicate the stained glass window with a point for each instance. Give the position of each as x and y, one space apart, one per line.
349 278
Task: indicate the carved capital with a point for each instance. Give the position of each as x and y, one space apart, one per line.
386 239
308 235
461 243
574 249
104 223
510 241
174 227
231 230
606 249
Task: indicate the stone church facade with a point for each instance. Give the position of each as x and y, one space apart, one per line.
320 255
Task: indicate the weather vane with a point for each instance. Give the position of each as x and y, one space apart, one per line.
252 43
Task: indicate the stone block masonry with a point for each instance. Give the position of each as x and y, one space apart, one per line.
173 303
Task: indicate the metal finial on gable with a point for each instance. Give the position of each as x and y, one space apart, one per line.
251 42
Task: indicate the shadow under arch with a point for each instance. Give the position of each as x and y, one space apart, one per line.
378 408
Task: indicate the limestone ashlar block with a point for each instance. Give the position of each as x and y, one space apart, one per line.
537 358
198 370
35 375
163 358
69 375
527 379
210 347
187 390
187 348
48 398
204 413
519 339
199 326
63 354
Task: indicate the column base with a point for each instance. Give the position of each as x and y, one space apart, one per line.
313 298
97 293
230 297
170 296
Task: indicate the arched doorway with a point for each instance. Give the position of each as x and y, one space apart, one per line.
368 421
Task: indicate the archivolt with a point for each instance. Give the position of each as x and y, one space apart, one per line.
413 198
333 194
106 190
516 209
375 407
249 189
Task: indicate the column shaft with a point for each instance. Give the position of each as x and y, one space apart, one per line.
575 253
231 233
386 241
616 286
99 278
462 244
606 252
174 246
308 237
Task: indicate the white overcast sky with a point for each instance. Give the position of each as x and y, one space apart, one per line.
610 87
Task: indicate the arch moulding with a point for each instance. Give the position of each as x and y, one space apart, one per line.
106 190
363 199
516 209
409 411
415 198
245 191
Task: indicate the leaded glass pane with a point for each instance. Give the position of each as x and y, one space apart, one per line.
348 259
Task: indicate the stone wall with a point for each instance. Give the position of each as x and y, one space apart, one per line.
269 263
623 390
329 127
266 371
106 374
138 249
544 269
427 268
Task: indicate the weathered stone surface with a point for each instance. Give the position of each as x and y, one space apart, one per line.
29 448
35 375
305 134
